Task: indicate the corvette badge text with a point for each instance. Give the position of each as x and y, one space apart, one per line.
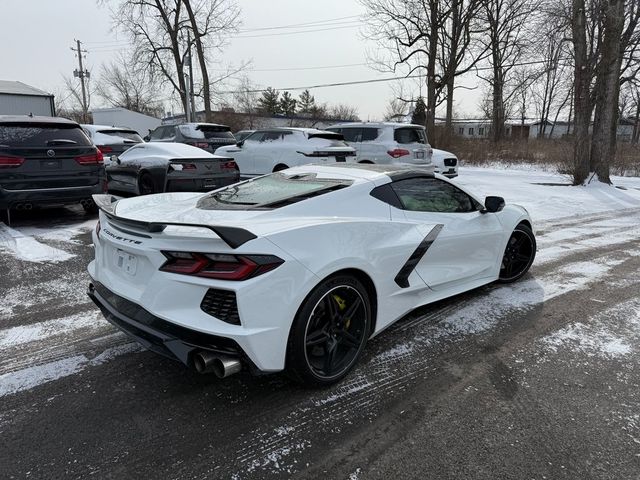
118 237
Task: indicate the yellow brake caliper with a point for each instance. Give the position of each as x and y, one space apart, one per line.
342 304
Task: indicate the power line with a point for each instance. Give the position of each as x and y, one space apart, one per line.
306 68
298 32
372 80
298 24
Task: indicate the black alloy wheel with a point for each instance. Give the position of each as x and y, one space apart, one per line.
145 183
330 332
519 254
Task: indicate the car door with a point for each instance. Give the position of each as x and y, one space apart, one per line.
468 245
270 153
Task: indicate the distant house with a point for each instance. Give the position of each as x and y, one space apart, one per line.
17 98
121 117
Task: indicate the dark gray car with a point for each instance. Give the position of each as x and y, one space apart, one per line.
208 136
47 161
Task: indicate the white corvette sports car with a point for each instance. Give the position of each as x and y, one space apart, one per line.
297 269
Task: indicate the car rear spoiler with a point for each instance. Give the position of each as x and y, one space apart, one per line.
232 236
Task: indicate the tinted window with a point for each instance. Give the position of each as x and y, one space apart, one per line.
168 132
432 195
352 134
41 135
409 135
156 134
206 131
369 134
126 134
255 137
270 191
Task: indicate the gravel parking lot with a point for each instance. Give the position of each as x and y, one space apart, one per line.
538 379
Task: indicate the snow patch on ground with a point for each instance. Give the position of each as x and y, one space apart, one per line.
27 248
12 337
613 333
24 297
31 377
66 233
273 461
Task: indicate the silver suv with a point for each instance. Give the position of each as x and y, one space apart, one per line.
387 143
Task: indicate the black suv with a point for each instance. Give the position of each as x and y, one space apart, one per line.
47 161
208 136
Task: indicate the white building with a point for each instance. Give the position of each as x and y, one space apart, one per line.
121 117
17 98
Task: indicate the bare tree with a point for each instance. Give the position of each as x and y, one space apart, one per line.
211 22
163 31
407 32
343 111
69 103
396 110
459 49
122 84
506 39
245 100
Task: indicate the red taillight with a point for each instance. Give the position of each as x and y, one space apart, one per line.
399 152
10 162
201 145
219 266
232 165
105 148
92 159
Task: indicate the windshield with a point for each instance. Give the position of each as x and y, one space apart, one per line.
270 191
41 135
206 131
125 134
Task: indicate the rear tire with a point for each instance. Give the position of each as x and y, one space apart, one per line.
145 184
519 254
329 332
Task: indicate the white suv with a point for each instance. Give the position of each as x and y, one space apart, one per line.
387 143
274 149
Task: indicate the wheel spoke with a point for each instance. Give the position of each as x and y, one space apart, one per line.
349 340
317 338
522 257
352 308
330 350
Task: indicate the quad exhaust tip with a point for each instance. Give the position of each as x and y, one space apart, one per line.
24 206
221 366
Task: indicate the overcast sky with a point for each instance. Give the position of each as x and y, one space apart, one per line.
36 37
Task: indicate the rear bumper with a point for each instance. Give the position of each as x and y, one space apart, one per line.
51 196
158 335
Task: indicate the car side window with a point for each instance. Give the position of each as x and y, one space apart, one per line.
352 134
156 133
169 132
271 136
426 194
369 134
254 137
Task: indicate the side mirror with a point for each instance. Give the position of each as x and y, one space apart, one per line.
493 204
240 143
146 138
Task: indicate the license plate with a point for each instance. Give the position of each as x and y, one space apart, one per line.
126 262
209 184
419 154
49 164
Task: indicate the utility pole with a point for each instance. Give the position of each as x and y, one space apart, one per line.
81 73
192 97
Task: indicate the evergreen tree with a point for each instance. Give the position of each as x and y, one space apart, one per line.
288 104
270 101
419 116
306 102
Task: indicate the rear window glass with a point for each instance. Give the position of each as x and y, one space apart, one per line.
206 131
409 135
270 191
41 135
125 134
369 134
